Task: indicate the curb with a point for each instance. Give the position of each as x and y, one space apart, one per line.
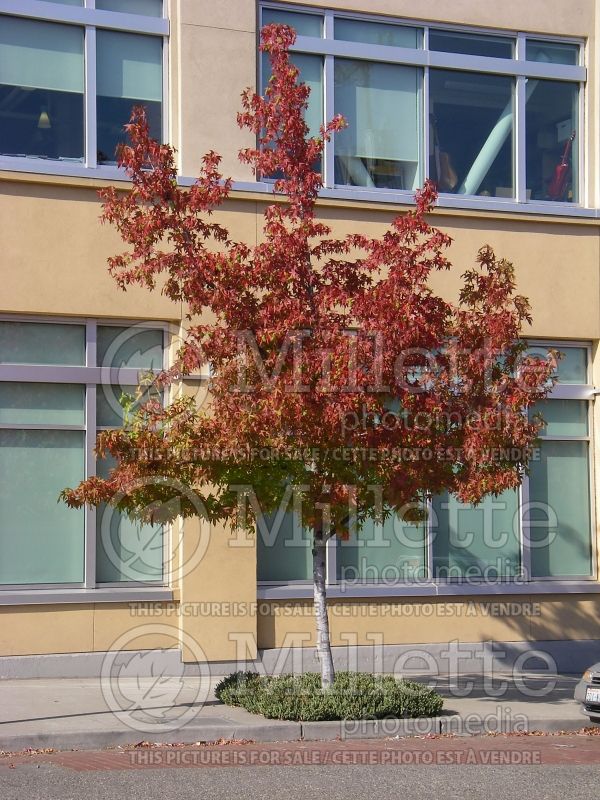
100 740
290 732
450 724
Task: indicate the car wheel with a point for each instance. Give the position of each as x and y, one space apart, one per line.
595 720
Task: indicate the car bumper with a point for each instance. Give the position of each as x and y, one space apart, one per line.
589 709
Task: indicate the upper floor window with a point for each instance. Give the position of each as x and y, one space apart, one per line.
69 77
482 114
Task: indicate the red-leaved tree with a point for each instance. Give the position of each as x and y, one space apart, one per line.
312 342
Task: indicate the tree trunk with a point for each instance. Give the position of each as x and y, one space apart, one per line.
320 602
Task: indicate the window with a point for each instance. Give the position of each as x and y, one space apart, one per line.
482 114
476 542
380 146
41 89
542 531
129 73
470 44
472 129
69 79
283 549
559 493
59 384
551 125
390 552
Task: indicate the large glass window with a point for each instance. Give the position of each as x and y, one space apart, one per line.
126 551
552 52
303 24
479 116
152 8
552 124
42 343
471 44
472 133
129 74
559 512
476 542
41 541
283 549
311 70
46 444
391 552
352 30
138 348
542 531
41 89
559 515
380 146
48 69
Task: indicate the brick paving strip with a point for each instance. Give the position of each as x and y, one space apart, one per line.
567 748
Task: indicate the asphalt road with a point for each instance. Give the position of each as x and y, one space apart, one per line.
549 767
552 782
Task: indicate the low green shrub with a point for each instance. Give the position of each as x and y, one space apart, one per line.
354 695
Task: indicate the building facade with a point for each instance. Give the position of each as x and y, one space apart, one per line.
488 99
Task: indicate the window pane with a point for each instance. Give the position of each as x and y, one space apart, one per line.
351 30
39 343
137 348
380 146
552 52
41 89
41 540
303 24
284 549
476 541
572 367
470 44
41 404
472 133
109 411
150 8
125 550
311 73
560 511
389 552
129 74
552 146
563 417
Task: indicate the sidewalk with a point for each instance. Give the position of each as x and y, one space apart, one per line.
87 714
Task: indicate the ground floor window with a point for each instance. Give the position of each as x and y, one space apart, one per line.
61 382
542 531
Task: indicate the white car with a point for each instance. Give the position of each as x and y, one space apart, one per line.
587 692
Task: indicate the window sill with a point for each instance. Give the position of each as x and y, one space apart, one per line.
129 594
367 591
70 174
445 201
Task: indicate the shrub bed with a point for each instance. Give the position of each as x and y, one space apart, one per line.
354 695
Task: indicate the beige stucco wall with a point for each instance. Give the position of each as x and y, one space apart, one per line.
53 262
430 619
74 628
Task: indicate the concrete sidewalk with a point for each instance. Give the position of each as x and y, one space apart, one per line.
90 714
